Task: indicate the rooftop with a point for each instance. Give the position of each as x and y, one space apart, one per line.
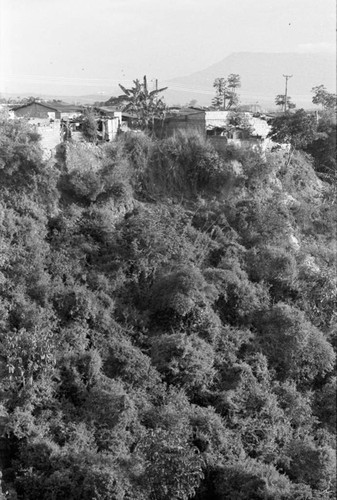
62 107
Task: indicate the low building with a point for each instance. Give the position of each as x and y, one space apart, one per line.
187 120
57 122
53 110
107 127
36 110
109 122
220 127
47 119
66 111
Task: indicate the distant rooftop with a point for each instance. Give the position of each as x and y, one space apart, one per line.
62 107
107 109
176 110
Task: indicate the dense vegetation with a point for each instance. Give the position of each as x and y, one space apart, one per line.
167 321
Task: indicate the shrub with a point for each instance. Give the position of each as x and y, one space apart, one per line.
185 165
89 127
295 348
185 361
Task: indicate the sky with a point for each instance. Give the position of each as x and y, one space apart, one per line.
78 47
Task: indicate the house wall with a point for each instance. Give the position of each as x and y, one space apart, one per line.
206 122
110 128
190 123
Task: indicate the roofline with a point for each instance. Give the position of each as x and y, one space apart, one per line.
33 102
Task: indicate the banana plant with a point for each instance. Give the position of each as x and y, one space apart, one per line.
145 104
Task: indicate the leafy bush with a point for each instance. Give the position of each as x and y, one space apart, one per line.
185 361
89 127
295 348
185 165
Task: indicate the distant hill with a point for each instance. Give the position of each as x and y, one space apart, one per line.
70 99
261 77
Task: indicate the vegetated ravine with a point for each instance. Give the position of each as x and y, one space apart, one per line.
167 321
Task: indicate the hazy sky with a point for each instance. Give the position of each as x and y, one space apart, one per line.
86 46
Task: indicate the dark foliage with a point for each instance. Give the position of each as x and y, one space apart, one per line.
166 322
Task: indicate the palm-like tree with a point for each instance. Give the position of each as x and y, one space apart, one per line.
226 92
145 104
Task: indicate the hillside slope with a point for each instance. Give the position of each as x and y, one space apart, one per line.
167 322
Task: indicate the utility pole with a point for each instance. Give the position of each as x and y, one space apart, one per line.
286 91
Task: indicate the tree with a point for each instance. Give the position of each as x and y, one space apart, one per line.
273 265
296 129
192 103
28 354
324 98
250 479
173 466
22 169
187 164
237 120
89 126
295 348
185 361
20 155
143 103
323 147
219 85
225 88
281 101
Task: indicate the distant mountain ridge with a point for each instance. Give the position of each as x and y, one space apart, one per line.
261 77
